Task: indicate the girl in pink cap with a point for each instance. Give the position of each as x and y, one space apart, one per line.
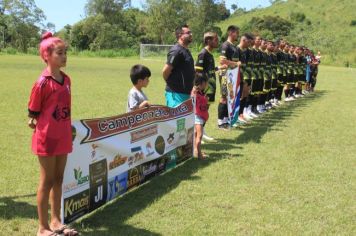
50 117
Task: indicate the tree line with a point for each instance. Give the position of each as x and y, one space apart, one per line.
114 24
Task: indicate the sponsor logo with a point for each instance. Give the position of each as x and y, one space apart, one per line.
180 125
190 136
143 133
134 177
80 180
149 149
118 161
138 155
93 152
117 186
98 183
160 145
171 159
78 176
170 138
76 206
149 168
161 166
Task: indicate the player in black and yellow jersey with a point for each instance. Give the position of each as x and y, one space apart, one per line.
206 64
301 67
289 88
265 76
260 64
254 60
275 66
228 49
242 55
281 69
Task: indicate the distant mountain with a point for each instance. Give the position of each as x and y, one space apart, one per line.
329 26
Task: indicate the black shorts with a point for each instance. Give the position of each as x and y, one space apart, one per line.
211 97
248 81
290 78
267 85
274 84
255 86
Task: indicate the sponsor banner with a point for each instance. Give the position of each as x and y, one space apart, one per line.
234 94
115 154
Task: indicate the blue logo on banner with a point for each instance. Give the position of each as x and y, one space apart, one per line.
117 186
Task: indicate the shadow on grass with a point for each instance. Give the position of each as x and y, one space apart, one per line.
110 220
10 208
254 131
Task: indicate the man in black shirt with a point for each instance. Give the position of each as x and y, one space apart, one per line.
227 59
178 72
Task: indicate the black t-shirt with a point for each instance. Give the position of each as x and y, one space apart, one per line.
228 50
182 76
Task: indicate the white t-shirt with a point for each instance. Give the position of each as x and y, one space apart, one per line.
135 98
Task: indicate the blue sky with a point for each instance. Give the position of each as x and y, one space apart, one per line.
70 11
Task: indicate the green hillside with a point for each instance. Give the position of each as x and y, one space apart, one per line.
327 27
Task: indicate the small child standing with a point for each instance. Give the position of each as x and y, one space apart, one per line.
201 112
140 77
50 117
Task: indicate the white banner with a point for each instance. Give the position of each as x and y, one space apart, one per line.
114 154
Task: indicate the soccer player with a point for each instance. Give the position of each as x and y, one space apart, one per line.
241 55
289 80
252 82
264 73
255 57
281 70
205 64
259 64
228 50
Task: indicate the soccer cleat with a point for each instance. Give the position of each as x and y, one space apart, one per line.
241 119
247 116
252 114
223 126
207 138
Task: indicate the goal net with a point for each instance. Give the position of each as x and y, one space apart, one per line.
154 51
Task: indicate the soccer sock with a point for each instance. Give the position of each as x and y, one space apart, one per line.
291 91
242 105
221 113
262 99
286 92
279 92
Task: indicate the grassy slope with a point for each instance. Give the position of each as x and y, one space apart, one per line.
330 31
291 172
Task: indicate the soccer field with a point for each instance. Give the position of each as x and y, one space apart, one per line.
290 172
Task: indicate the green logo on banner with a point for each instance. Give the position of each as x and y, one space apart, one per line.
180 125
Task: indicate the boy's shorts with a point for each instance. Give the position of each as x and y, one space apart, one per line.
198 120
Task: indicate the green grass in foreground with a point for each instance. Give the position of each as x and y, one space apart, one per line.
291 172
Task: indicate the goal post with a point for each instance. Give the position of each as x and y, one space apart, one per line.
154 51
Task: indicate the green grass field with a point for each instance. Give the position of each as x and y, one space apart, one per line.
291 172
